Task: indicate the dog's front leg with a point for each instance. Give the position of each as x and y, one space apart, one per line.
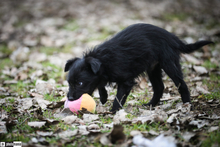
122 94
103 94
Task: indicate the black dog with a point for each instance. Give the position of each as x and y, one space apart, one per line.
137 49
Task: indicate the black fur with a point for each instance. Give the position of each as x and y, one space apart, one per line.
137 49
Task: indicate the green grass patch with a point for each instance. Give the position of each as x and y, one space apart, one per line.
208 64
49 50
4 49
143 127
56 74
22 88
52 97
14 136
71 26
105 120
52 50
213 139
5 62
174 16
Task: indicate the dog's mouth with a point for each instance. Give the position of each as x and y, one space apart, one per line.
71 99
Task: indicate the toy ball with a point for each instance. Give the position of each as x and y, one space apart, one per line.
85 101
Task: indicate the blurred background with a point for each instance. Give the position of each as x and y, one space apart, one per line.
53 31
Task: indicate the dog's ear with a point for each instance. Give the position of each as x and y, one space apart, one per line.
69 63
94 63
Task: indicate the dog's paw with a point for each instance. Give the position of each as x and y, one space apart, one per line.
149 104
113 111
103 100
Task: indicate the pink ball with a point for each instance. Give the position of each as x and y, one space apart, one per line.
85 101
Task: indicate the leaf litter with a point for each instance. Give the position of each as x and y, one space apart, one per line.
31 96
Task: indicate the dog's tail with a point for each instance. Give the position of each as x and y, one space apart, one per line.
194 46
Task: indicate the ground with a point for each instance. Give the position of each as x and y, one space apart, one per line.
38 37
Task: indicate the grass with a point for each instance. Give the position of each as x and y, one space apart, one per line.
144 127
56 73
174 16
71 26
213 86
5 62
208 64
213 139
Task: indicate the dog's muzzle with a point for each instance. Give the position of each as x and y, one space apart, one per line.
70 98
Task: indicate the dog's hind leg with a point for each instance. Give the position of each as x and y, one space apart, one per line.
103 94
155 77
122 94
173 70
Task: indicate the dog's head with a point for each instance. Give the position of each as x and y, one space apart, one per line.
83 76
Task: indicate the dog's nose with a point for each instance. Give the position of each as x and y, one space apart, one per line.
70 98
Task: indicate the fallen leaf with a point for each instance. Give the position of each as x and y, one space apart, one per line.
200 70
173 118
199 123
42 103
202 90
20 55
44 87
64 112
191 59
44 134
88 118
213 128
108 126
135 133
67 134
93 128
83 130
25 103
188 135
121 117
104 140
3 129
152 132
69 119
160 141
37 124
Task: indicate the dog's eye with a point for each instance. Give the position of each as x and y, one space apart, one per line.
80 83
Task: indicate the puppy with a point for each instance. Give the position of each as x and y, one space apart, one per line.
139 48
